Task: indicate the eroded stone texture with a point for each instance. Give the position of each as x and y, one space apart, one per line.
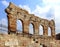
14 40
25 39
15 13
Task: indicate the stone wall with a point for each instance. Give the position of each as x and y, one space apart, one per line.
14 40
24 39
15 13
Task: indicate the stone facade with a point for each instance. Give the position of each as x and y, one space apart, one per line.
15 13
15 40
24 39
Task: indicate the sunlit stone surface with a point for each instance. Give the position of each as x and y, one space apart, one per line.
24 39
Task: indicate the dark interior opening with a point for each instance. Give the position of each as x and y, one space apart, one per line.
58 36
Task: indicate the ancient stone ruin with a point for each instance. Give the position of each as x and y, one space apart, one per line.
24 39
15 13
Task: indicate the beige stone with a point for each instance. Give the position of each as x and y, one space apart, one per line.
24 39
15 13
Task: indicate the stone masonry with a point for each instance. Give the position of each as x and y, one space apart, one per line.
15 13
24 39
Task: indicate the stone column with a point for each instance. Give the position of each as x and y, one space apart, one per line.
36 29
11 24
45 30
52 26
26 27
53 31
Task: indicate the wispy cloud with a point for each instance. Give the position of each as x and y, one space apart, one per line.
42 11
3 26
51 2
4 21
5 3
26 7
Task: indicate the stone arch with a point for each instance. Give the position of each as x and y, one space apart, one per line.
52 26
31 28
40 30
13 13
52 31
19 24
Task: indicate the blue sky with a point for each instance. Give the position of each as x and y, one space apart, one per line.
48 9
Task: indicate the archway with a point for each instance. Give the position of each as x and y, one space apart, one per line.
31 28
19 26
40 30
49 31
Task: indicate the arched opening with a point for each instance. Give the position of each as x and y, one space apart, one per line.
40 30
19 26
49 31
31 28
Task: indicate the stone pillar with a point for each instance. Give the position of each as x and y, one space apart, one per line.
53 31
36 29
11 24
52 26
45 30
26 27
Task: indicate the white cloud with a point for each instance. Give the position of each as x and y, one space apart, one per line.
41 11
51 2
3 26
57 19
26 7
5 3
4 21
